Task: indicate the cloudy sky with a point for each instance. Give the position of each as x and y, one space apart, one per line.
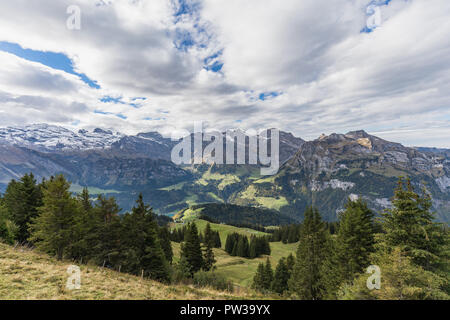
305 66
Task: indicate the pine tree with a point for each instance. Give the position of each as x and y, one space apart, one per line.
191 249
142 244
307 277
409 225
8 230
281 277
22 199
84 229
52 229
217 241
108 232
258 279
268 275
253 253
290 262
208 235
85 200
242 247
235 248
401 279
166 245
229 244
355 239
208 258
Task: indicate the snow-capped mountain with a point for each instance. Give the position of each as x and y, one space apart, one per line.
44 137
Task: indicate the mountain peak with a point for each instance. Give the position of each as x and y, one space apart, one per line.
357 134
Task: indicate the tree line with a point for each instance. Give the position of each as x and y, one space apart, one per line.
178 235
238 245
410 249
49 217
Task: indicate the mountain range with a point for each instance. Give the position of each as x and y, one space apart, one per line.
323 172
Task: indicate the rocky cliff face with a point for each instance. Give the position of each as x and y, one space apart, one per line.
358 149
331 168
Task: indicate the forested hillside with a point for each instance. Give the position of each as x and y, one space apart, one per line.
313 260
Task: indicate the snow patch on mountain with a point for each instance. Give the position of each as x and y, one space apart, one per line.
44 137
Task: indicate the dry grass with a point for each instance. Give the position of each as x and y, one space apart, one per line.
30 275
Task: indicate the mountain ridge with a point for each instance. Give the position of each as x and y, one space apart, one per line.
323 172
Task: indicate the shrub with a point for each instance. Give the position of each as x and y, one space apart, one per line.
213 280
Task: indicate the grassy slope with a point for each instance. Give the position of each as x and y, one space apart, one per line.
26 274
237 269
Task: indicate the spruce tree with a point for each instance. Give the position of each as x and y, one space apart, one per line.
8 230
22 199
307 277
258 280
191 249
84 229
410 226
166 245
290 262
208 234
52 229
229 244
217 241
253 253
242 247
355 239
142 243
108 232
268 275
281 277
208 258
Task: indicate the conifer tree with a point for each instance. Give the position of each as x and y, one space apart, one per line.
307 277
84 229
281 277
410 226
142 245
22 199
166 245
217 241
401 279
355 239
208 258
8 230
52 229
268 275
108 232
208 235
229 243
290 262
242 247
258 280
191 249
253 253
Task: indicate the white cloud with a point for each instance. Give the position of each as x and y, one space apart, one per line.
331 77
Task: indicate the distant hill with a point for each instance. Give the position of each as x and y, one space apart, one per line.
237 215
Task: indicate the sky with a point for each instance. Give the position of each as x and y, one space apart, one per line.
308 67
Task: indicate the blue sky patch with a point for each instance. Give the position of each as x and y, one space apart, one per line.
268 95
57 61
